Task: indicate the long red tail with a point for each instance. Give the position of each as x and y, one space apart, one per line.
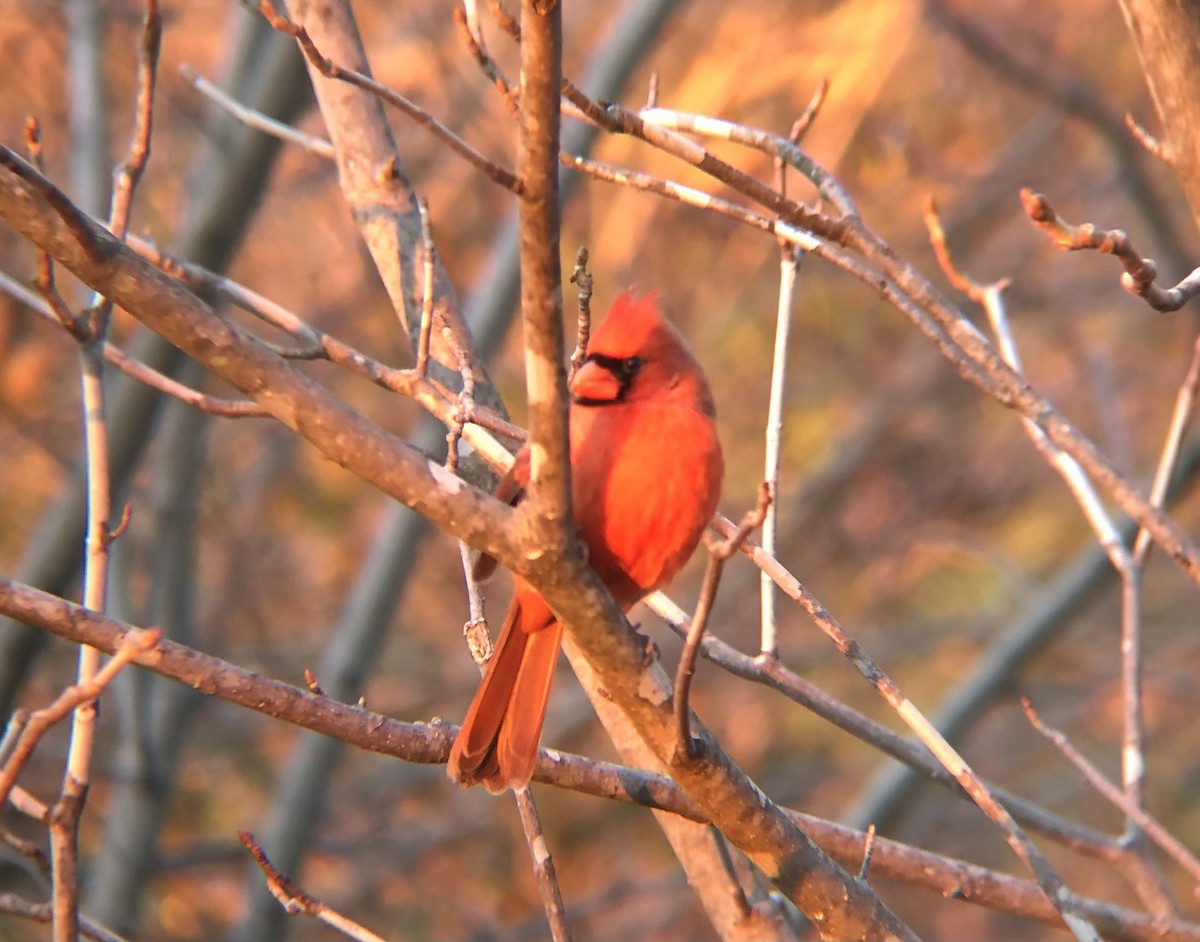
497 744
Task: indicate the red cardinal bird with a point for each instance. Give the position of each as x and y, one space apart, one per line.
646 472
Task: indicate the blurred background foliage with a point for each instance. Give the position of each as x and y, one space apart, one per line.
919 513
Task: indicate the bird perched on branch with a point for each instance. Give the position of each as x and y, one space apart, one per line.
646 471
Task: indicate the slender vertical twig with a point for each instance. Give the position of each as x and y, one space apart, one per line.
789 259
721 846
718 554
582 279
1181 417
868 850
66 812
1127 563
545 874
543 866
1133 766
426 288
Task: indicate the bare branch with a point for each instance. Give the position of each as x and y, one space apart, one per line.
582 279
330 69
1046 876
773 145
294 900
430 743
213 405
1140 273
1181 419
547 511
473 40
305 406
685 747
899 283
43 912
130 170
789 259
811 111
426 290
134 644
1153 829
990 298
318 147
543 866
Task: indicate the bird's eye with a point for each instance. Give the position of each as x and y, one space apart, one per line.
632 364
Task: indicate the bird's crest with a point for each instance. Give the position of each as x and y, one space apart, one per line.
632 325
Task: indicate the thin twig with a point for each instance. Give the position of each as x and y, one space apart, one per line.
1151 144
43 912
51 299
543 866
1045 874
582 279
317 146
138 643
774 145
136 369
868 850
690 196
36 859
426 245
990 298
717 556
67 810
29 805
1133 765
329 69
731 874
789 260
131 168
1181 418
65 814
294 900
464 403
1140 273
430 743
430 395
1152 828
249 300
811 111
474 42
129 172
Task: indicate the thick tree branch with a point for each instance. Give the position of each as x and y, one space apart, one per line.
1167 36
340 433
375 186
547 513
430 744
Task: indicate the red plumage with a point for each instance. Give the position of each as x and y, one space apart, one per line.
646 471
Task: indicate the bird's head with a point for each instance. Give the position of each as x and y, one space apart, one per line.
636 355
